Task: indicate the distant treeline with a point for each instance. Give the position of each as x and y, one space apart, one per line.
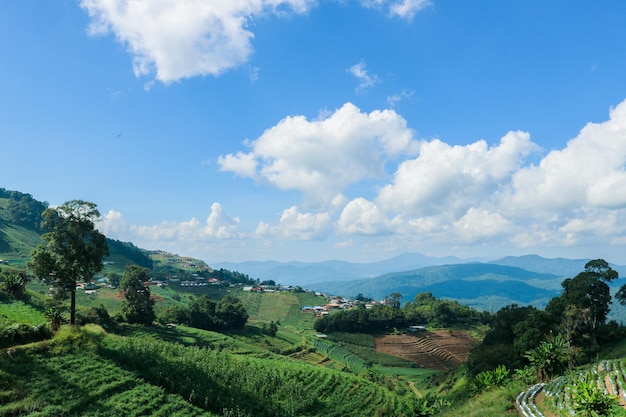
131 252
22 209
203 313
425 309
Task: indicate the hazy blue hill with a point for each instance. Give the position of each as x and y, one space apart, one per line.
472 281
557 266
305 273
566 268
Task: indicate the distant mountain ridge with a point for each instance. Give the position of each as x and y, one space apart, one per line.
305 273
524 280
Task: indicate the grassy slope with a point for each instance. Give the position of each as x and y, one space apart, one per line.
63 371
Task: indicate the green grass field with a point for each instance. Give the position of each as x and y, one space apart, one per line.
21 312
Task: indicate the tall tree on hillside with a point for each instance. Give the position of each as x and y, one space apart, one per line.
137 306
71 249
589 292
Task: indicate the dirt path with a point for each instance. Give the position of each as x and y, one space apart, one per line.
415 390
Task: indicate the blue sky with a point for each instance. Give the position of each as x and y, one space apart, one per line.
312 130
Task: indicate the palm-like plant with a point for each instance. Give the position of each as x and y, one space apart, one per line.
55 318
549 358
589 401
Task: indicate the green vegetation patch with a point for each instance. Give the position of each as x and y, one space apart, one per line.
20 312
40 384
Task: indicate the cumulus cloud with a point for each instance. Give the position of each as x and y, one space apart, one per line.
362 217
365 79
295 224
219 225
113 223
479 224
422 194
184 38
445 178
588 172
322 157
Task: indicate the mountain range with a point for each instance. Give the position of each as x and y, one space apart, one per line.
488 285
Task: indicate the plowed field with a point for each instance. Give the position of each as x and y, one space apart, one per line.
441 350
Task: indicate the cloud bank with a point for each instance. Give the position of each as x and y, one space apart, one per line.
436 194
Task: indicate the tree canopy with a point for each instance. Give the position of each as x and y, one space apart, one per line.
137 306
71 249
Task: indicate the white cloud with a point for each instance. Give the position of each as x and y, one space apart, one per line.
404 9
322 157
362 217
297 225
480 224
113 222
220 225
452 179
439 196
365 80
588 172
393 100
407 9
184 38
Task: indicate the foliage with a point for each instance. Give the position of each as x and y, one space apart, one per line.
72 248
13 283
130 252
203 313
96 315
40 382
220 381
489 379
549 358
23 210
590 401
339 354
425 308
55 317
137 306
379 318
270 329
12 332
578 315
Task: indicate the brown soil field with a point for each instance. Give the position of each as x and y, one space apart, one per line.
441 349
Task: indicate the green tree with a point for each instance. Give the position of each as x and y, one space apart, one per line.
590 293
231 312
549 358
71 248
114 279
394 299
137 306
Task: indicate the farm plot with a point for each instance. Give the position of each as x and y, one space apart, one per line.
441 350
558 398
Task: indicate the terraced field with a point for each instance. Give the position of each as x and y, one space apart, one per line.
441 350
555 399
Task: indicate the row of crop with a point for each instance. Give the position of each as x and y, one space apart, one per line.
39 383
597 388
338 353
260 387
525 402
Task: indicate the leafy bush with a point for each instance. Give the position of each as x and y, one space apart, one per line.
489 379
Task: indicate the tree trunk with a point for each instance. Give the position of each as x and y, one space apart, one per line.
73 306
